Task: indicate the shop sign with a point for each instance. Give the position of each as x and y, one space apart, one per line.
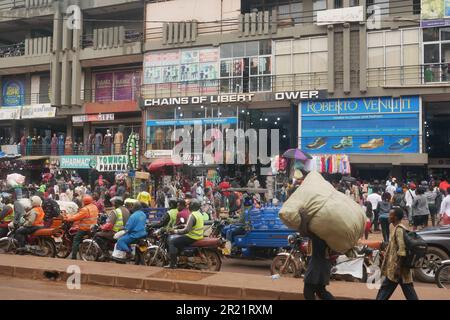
38 111
112 163
191 122
76 162
93 117
155 154
300 95
341 15
193 158
10 113
10 149
13 93
142 175
435 13
227 98
439 163
375 125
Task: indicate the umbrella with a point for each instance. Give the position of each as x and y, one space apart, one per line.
161 163
297 154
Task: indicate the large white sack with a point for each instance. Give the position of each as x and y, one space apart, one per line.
334 217
13 180
68 207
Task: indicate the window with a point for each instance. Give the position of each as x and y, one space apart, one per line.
248 68
393 57
301 64
288 10
317 6
436 54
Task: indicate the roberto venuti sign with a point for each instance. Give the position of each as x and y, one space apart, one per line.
233 98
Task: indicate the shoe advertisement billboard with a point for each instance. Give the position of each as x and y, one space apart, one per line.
375 125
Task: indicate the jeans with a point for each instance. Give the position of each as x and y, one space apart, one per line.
124 242
376 225
409 213
384 222
77 241
177 243
23 232
311 290
388 287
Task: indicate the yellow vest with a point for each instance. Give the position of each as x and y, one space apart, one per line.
118 225
197 231
10 216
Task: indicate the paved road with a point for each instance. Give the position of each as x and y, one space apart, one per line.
15 288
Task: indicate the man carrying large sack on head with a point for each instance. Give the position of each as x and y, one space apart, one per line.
332 220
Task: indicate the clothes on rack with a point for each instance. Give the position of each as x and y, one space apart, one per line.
336 163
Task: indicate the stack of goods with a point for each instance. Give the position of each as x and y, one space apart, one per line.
332 216
265 218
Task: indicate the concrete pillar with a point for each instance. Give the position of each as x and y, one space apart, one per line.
55 63
346 55
76 66
363 54
69 131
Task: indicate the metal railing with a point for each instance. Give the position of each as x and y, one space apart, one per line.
252 84
41 149
13 50
125 93
426 74
11 4
131 36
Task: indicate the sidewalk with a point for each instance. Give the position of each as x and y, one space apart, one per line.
207 284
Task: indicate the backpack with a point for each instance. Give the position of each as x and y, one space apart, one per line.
416 248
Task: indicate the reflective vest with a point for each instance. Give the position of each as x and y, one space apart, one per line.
10 216
197 230
86 223
118 225
40 214
173 213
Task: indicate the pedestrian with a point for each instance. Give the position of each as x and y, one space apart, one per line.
431 194
409 198
445 209
369 214
392 268
318 271
374 199
383 209
420 211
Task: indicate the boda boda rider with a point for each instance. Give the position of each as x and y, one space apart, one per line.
192 232
116 221
134 229
169 219
86 217
34 220
6 215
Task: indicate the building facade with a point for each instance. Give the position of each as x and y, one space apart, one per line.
368 79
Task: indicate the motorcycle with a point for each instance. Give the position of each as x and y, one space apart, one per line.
293 263
95 248
442 277
201 255
42 243
64 246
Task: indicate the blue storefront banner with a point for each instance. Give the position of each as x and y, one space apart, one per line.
191 122
13 93
380 125
77 162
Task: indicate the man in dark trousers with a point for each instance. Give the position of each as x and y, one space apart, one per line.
318 272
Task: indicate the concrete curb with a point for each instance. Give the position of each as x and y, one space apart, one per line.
152 284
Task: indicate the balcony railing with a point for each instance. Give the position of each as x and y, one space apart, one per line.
14 50
130 36
11 4
427 74
128 93
252 84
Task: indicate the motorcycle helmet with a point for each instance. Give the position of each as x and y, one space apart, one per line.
36 201
194 205
173 203
87 199
116 201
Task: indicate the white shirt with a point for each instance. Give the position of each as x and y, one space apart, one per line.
409 197
445 206
391 189
374 199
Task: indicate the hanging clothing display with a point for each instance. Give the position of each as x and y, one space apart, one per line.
336 163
